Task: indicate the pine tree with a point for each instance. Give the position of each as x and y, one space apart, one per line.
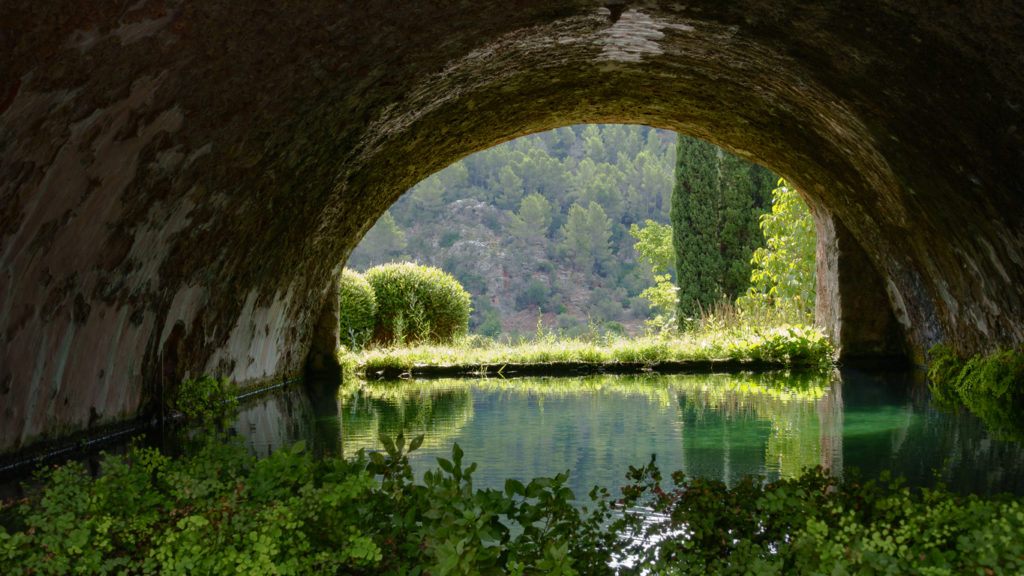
716 202
600 228
383 243
428 197
531 223
585 237
576 239
508 188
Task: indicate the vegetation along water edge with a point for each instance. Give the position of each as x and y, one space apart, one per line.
784 347
217 510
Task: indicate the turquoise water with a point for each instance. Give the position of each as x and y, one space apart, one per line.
721 426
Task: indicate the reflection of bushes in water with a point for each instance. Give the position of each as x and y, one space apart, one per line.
990 386
750 394
438 412
440 408
657 389
789 403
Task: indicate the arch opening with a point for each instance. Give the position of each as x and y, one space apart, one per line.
618 167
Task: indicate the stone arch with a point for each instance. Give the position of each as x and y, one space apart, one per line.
207 165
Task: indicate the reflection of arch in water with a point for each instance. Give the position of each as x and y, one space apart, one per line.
766 424
436 409
276 420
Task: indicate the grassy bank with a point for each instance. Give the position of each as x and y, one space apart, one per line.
736 349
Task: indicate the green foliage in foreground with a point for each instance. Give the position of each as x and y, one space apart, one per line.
417 304
220 512
818 524
991 386
357 309
789 346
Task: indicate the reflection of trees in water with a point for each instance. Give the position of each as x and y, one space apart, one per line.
745 423
656 389
440 408
768 423
434 409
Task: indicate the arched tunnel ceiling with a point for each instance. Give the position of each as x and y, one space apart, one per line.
180 180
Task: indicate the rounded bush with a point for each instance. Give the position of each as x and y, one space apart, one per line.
417 304
357 309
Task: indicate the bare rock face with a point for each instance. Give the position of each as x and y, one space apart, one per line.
179 179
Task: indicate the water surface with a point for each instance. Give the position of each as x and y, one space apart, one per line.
721 426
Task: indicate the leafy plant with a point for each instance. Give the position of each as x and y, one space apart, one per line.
654 244
205 399
417 304
793 345
357 309
816 524
220 511
784 270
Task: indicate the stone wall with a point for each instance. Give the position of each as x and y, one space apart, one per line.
179 179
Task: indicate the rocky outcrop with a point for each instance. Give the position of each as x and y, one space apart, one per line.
179 179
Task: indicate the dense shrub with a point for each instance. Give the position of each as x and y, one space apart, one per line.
357 309
417 304
536 294
205 399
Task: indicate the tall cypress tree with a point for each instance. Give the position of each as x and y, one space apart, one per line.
716 202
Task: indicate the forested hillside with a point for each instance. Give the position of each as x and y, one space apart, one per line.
541 225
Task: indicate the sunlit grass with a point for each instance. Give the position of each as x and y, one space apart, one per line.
786 346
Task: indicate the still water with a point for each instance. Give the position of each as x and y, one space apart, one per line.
722 426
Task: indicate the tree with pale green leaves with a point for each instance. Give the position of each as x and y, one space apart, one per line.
654 243
784 270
